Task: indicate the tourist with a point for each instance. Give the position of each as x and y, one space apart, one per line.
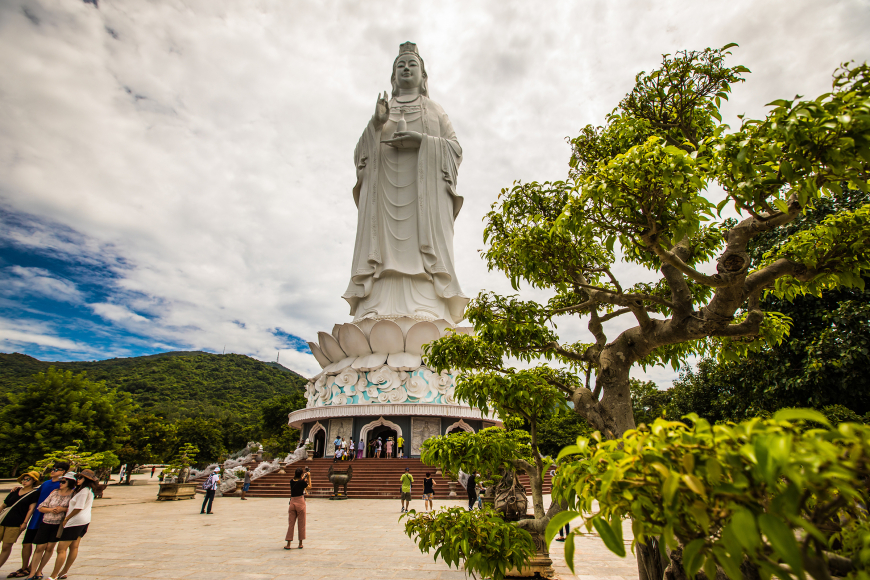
44 491
407 479
563 532
337 443
362 449
210 486
17 509
428 491
160 477
75 524
52 510
389 452
400 443
296 511
343 448
378 445
153 469
337 456
247 484
372 447
471 488
351 448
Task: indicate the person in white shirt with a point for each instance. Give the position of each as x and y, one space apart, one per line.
211 485
75 524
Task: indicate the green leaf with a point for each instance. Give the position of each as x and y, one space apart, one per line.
782 541
608 537
557 522
569 552
748 537
692 557
801 415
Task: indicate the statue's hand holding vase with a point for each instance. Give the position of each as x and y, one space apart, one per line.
405 140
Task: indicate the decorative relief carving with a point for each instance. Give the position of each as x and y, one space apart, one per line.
297 418
421 429
382 385
339 428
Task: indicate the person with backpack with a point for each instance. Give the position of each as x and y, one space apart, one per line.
247 483
211 484
407 479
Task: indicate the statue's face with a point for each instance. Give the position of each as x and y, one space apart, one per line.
409 72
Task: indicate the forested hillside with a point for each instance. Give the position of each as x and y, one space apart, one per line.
172 384
144 408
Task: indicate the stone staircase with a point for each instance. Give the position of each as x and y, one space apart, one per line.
372 479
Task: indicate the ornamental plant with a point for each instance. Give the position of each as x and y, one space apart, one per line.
756 499
644 188
480 540
183 459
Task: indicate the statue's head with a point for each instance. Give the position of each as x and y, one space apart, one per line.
409 70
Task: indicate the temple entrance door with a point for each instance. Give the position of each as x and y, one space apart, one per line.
384 432
319 443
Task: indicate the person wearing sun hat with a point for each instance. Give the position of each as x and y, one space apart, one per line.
75 524
27 543
53 510
17 509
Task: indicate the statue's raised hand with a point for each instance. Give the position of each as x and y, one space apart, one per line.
382 110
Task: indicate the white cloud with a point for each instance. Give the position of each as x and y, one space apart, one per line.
206 146
18 280
14 334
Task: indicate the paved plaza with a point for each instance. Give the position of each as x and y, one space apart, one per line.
134 536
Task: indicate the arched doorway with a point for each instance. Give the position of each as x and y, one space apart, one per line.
317 435
319 443
459 427
384 432
380 428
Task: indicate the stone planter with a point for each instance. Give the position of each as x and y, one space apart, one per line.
173 491
452 485
541 564
310 453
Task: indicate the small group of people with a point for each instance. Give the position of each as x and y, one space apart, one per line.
377 448
53 514
428 490
344 450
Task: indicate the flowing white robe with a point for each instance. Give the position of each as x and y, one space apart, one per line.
406 201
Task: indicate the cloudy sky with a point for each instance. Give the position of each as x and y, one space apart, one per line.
177 174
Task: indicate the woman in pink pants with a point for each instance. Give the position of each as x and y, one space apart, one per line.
297 510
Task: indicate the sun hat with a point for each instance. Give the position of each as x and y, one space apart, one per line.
88 474
32 474
69 475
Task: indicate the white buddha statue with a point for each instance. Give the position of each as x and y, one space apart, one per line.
407 163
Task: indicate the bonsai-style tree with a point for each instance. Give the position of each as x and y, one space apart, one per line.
642 190
180 465
101 463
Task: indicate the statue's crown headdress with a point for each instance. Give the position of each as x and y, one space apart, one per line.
408 47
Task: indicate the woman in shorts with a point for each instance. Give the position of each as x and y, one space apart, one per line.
53 510
75 524
428 491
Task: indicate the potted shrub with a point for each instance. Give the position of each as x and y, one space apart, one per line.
175 485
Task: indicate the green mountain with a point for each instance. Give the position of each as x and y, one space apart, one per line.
172 384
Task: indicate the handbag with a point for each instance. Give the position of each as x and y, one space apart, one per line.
511 500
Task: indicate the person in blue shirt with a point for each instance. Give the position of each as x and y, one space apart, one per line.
44 491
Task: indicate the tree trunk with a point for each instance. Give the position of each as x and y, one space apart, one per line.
650 563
